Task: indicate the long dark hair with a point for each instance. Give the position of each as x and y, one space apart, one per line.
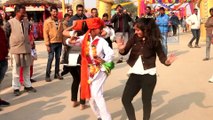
150 29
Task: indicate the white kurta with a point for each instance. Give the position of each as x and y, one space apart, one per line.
103 50
97 101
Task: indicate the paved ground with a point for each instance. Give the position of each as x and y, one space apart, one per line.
182 91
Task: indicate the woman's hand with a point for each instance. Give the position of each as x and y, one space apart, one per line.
73 39
170 59
120 43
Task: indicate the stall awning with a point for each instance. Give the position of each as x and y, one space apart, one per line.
28 8
29 2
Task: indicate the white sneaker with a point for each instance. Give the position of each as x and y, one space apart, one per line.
211 80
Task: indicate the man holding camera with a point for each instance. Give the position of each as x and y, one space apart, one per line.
121 26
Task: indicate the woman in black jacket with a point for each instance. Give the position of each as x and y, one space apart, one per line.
144 46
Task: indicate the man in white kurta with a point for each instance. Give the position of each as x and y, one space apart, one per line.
105 53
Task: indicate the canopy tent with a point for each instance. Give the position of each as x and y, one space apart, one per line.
185 7
31 2
31 5
28 8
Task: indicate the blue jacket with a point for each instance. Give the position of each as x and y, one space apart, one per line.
163 23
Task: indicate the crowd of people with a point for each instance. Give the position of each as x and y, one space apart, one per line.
83 44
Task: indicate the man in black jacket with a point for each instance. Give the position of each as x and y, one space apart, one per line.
174 21
121 25
78 16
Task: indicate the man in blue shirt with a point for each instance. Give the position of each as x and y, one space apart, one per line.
163 23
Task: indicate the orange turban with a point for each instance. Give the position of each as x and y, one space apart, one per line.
78 24
92 23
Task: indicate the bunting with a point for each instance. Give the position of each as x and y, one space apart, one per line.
168 1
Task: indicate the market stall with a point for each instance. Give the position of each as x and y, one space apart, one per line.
34 8
37 12
181 7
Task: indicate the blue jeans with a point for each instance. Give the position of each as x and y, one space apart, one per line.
196 35
164 42
55 49
3 69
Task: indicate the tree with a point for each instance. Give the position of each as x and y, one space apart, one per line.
121 1
132 9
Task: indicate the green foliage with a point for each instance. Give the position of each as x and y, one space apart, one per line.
132 9
121 1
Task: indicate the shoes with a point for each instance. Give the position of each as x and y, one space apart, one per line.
47 79
57 76
120 61
30 89
63 73
82 107
75 104
62 62
4 103
32 80
211 80
197 46
17 92
205 59
190 45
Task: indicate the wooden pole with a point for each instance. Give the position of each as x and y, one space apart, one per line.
104 6
63 7
205 5
139 8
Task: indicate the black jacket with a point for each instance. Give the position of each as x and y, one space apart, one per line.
147 50
174 20
126 20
